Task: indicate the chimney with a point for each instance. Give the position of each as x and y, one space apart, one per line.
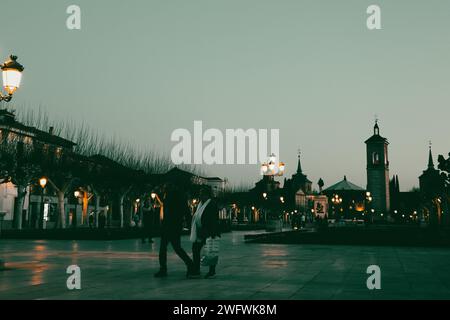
50 130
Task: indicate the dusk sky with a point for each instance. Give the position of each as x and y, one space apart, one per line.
141 69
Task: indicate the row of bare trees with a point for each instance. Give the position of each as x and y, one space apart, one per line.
107 169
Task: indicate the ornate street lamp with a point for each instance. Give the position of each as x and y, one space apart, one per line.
12 76
336 199
272 167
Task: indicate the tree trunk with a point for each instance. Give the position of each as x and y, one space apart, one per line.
61 207
97 208
121 198
130 214
109 211
21 192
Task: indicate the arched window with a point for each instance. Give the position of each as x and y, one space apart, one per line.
375 158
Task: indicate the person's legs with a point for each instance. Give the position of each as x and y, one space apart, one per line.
163 256
176 244
196 250
149 235
143 233
212 269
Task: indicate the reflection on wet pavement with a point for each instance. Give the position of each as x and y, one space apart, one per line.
124 270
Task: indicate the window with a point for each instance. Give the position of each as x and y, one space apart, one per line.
375 158
27 140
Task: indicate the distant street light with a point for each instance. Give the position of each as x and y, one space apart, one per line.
336 199
43 182
12 76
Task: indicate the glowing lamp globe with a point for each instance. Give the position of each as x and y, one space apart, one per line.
12 75
43 182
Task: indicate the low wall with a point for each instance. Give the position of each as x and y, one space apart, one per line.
379 236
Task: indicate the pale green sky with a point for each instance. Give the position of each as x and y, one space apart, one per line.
140 69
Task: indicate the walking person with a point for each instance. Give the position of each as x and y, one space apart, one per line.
205 224
147 223
102 220
174 209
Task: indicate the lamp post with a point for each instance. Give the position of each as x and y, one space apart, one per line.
42 182
12 76
272 167
264 206
336 202
78 196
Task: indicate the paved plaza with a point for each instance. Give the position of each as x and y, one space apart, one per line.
124 270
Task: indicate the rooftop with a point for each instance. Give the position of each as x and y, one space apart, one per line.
344 185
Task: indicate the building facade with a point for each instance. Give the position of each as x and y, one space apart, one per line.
16 137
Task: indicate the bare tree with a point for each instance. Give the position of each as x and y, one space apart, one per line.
19 165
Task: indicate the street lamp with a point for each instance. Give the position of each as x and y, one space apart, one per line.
336 202
272 167
12 76
78 196
336 199
42 182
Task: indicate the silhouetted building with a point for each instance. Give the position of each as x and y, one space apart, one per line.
297 188
432 190
404 205
430 181
378 171
186 180
346 199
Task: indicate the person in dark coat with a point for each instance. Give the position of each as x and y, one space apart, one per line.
205 224
175 209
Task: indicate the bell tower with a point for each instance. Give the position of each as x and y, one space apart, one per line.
378 171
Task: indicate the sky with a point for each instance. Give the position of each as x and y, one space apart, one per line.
141 69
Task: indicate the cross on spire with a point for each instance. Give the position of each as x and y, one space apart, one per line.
430 157
376 128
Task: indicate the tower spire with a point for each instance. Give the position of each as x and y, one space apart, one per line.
299 166
430 158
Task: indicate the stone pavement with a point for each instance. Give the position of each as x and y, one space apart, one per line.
124 270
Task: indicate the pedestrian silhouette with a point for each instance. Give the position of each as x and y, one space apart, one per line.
175 209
